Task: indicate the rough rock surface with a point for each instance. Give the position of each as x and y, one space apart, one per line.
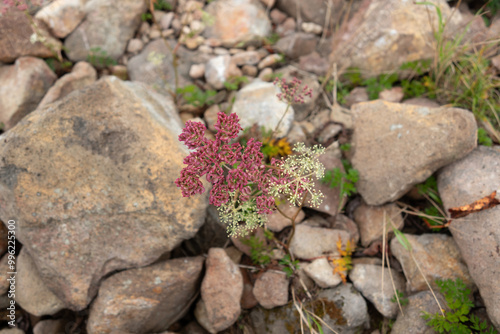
147 299
477 235
367 279
416 140
312 10
438 258
219 70
31 292
277 222
383 35
221 290
321 272
103 198
108 25
62 16
412 321
256 103
271 289
82 75
15 38
23 86
371 220
309 242
237 21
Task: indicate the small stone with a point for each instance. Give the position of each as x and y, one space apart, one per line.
234 51
196 26
277 16
309 242
357 95
246 58
269 61
211 116
166 20
287 27
193 42
197 71
394 94
135 45
312 28
266 75
271 289
220 51
322 274
154 33
205 49
276 222
422 101
249 70
371 220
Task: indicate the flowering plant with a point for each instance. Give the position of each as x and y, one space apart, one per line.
243 186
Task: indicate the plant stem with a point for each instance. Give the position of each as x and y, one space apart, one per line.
295 217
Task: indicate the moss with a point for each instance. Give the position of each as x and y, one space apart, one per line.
322 307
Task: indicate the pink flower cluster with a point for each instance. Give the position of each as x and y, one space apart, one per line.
19 4
229 167
291 93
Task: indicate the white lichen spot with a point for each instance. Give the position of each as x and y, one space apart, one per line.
396 126
157 280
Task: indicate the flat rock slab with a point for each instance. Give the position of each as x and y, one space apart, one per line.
397 146
477 235
93 190
147 299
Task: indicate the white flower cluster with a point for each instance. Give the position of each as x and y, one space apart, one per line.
241 217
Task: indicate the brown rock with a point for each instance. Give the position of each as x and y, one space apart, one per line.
250 71
313 10
108 25
476 235
417 140
31 292
248 300
371 220
147 299
383 35
298 44
23 86
246 58
277 16
237 22
62 17
342 222
271 289
277 222
394 94
287 27
103 197
15 38
221 290
314 63
309 242
437 256
82 75
357 95
422 101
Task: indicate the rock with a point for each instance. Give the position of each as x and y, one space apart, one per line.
342 308
314 63
135 45
367 279
321 272
417 140
422 101
166 20
271 289
296 134
403 27
82 75
328 134
108 25
49 327
23 86
11 331
256 103
62 17
248 300
357 95
412 321
287 27
314 10
309 242
221 290
276 222
119 71
371 220
197 71
249 71
31 292
313 28
154 66
476 235
298 44
210 116
341 222
277 16
200 312
237 21
266 75
246 58
147 299
119 141
219 70
16 37
331 201
438 258
270 61
395 94
5 268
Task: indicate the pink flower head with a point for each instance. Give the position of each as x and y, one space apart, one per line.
265 204
291 93
193 135
228 126
189 183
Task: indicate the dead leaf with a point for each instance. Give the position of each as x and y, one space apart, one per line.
484 203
